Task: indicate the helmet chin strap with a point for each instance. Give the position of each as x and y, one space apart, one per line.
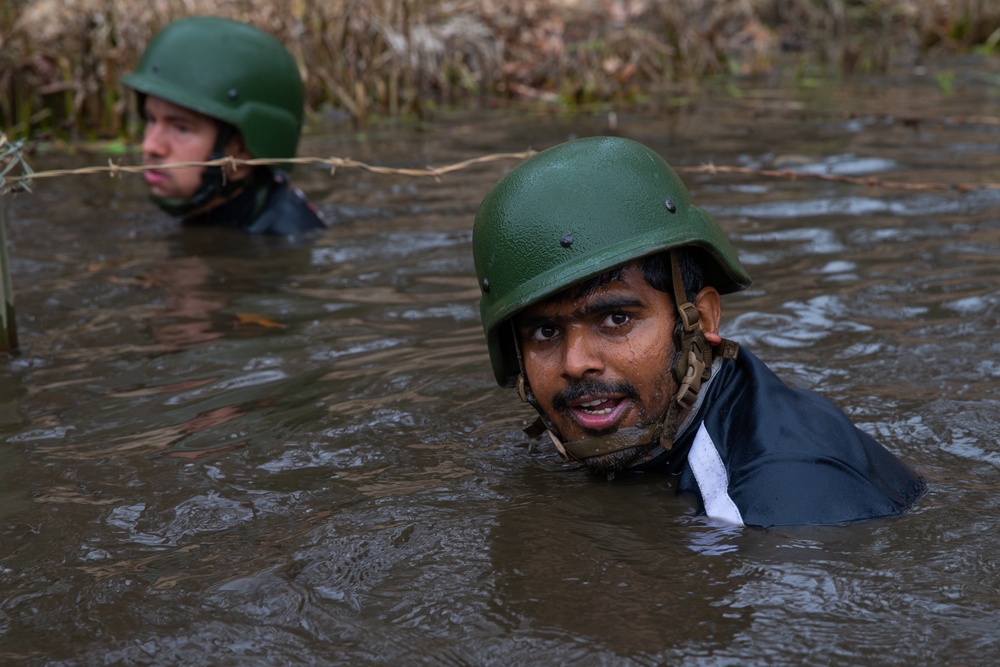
692 367
214 182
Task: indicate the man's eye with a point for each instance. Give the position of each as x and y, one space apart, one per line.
617 320
545 333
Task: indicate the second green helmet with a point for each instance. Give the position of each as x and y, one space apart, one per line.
574 211
230 71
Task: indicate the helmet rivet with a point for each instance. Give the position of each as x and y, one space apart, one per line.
156 68
486 285
233 93
566 240
671 206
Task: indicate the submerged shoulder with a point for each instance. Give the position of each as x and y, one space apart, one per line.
793 457
287 211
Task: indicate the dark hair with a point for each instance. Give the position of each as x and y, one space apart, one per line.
657 272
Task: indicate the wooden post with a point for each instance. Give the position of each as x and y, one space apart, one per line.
10 157
8 327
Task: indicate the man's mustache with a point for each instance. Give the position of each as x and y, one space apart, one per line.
584 388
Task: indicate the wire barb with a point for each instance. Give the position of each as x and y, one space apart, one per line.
11 156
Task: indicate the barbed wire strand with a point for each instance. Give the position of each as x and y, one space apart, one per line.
23 182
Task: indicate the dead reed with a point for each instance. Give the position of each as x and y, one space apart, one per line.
61 60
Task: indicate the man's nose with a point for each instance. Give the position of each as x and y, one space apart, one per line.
153 144
582 357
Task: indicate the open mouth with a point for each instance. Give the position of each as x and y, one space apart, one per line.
600 414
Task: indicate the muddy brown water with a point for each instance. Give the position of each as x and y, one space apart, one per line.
222 450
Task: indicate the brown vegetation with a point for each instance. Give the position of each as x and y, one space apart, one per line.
61 60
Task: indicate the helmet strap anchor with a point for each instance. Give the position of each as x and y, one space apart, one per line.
693 365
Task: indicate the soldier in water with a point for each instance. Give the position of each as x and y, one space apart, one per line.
210 88
600 299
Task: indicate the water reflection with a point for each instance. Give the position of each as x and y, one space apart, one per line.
11 393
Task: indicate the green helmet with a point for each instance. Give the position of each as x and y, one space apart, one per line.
229 71
573 212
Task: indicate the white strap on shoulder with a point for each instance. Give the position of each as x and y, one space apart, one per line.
713 481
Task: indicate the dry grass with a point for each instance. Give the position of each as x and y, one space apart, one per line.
61 60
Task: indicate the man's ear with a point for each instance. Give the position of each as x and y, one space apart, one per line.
238 149
709 305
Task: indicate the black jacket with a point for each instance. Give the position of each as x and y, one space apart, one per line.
268 206
760 453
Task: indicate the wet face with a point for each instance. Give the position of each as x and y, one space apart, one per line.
601 361
176 134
